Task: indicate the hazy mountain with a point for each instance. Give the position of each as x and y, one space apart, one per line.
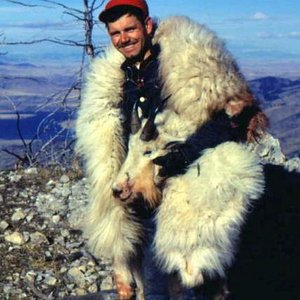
279 98
29 87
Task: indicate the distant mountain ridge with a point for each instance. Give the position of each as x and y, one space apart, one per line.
270 88
280 99
30 86
35 83
20 65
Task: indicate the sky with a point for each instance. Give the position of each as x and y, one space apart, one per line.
255 31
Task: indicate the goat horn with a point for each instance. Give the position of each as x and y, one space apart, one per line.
135 122
149 131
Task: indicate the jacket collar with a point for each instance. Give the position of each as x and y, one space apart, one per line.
154 52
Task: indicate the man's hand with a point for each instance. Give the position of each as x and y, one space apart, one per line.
174 162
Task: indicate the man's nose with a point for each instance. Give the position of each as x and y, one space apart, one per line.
124 37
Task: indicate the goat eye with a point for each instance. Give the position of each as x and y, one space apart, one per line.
148 152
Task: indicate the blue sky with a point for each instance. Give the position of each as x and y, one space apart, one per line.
255 31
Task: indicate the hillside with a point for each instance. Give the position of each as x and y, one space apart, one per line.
37 91
279 98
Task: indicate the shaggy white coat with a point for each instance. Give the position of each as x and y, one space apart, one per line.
200 215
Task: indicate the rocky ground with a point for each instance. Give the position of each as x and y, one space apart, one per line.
43 252
44 255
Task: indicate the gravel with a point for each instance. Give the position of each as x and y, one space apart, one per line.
45 253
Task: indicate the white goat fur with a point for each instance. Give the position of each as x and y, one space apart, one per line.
201 212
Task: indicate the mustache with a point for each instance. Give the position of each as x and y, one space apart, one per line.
123 45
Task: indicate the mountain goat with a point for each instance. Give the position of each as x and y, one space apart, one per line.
199 214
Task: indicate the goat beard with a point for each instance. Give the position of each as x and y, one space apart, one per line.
140 207
146 188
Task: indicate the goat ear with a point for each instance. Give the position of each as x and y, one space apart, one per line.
149 131
135 122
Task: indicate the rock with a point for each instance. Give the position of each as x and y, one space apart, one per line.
63 270
65 233
93 288
29 217
26 236
62 295
71 286
80 292
30 276
1 198
77 276
91 263
48 255
269 151
38 238
64 179
39 277
31 171
107 284
18 215
23 194
50 280
50 204
15 238
7 288
65 192
60 240
56 219
293 164
50 183
15 177
82 268
16 277
4 225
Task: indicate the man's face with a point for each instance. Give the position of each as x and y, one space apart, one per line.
130 36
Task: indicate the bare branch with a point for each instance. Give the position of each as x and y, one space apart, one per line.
93 7
49 142
28 152
18 121
55 41
19 157
62 5
74 15
25 4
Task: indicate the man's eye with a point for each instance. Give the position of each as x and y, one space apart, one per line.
114 34
147 152
130 29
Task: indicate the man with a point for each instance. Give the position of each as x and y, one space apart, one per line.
181 68
131 29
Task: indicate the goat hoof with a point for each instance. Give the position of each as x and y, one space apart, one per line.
125 291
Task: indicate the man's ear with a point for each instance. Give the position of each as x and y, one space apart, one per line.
149 25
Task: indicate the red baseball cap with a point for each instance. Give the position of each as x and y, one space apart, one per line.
141 4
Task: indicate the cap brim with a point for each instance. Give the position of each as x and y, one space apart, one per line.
102 16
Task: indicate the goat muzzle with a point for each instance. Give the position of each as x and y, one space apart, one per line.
122 192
